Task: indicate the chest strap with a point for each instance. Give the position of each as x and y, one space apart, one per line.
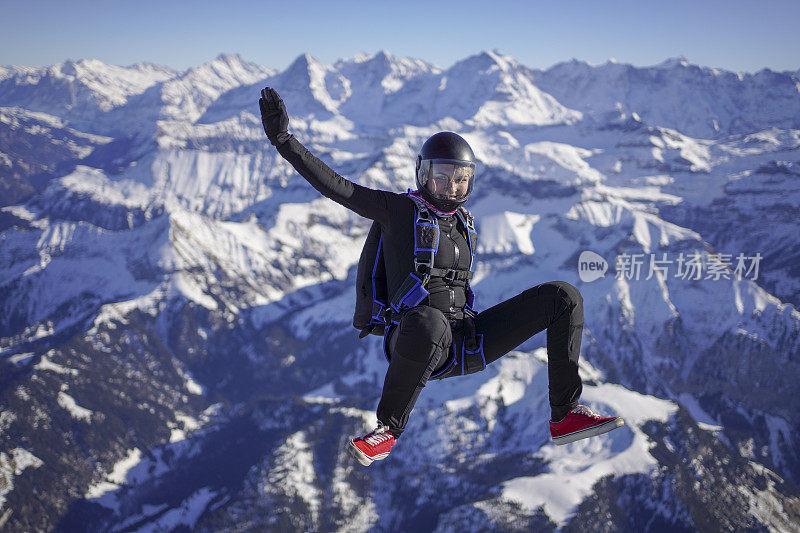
451 274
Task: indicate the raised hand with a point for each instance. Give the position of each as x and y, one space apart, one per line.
274 116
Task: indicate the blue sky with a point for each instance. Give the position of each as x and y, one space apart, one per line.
737 35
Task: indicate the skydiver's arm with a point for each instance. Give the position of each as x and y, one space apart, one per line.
366 202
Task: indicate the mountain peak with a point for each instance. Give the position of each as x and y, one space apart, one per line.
303 61
572 65
383 55
227 66
485 60
302 69
497 57
229 58
674 62
81 67
146 66
68 68
226 61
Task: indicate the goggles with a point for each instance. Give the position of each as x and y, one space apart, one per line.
447 179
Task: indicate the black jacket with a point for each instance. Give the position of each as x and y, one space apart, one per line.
395 213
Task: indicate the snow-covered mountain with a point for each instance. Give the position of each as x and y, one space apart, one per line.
695 100
175 336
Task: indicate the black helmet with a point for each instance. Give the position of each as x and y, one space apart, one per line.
445 171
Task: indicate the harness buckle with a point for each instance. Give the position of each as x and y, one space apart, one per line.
423 269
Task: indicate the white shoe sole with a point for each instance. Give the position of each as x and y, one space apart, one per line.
363 458
588 432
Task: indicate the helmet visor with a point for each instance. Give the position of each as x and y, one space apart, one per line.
447 179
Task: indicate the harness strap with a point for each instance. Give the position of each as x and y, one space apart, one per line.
426 242
451 274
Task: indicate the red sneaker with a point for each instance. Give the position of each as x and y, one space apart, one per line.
580 423
372 446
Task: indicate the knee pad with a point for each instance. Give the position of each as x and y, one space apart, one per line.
568 292
427 322
563 292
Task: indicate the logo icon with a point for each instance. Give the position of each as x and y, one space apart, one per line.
591 266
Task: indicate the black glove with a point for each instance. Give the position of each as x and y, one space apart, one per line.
274 117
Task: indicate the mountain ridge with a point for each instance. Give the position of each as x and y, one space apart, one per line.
171 286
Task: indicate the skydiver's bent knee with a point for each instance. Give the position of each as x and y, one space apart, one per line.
423 333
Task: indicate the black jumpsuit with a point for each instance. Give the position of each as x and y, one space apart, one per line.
423 343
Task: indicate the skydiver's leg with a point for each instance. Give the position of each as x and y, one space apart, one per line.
556 306
416 347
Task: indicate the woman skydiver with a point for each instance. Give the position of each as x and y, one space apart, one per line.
422 339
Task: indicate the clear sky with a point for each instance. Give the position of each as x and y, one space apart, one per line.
738 35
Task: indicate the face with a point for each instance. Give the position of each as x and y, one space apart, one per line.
448 182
